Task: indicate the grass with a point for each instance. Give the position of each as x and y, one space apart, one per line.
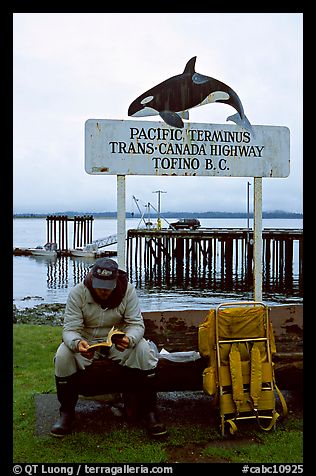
279 447
34 349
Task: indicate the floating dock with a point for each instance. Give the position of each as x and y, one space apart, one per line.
57 239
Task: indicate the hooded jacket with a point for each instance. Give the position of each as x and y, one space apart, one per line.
84 318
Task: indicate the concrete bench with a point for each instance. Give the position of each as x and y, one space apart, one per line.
177 331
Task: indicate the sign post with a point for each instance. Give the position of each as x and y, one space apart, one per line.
117 147
257 235
121 222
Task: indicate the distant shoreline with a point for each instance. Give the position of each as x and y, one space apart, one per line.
270 214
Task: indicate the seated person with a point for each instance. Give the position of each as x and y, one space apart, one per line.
105 299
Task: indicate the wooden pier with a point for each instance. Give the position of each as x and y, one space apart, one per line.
215 258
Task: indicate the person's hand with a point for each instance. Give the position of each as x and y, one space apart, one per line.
83 346
122 343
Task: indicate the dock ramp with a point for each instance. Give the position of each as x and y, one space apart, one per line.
101 243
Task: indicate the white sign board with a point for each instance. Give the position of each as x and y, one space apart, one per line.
119 147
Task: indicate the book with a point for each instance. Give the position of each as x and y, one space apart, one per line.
113 335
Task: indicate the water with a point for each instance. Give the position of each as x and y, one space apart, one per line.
39 280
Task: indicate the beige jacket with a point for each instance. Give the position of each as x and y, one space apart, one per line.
85 319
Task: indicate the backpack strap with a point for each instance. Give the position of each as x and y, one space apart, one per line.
255 376
282 400
273 420
232 427
256 389
236 376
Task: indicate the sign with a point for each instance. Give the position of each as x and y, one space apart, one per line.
117 147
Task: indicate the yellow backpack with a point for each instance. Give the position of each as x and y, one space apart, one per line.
238 340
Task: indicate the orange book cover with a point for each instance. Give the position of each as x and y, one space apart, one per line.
112 336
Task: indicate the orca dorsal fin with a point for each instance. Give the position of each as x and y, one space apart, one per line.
190 66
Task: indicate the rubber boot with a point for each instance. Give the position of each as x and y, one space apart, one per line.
140 399
149 404
131 394
131 406
67 395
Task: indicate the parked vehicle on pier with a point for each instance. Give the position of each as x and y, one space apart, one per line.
185 223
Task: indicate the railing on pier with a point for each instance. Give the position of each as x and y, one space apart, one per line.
214 258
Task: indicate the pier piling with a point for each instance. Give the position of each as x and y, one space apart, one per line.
57 230
214 258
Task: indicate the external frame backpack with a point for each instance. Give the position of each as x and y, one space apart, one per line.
238 340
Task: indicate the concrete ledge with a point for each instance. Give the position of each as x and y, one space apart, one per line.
94 416
176 408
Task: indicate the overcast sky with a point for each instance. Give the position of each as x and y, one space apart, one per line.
70 67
